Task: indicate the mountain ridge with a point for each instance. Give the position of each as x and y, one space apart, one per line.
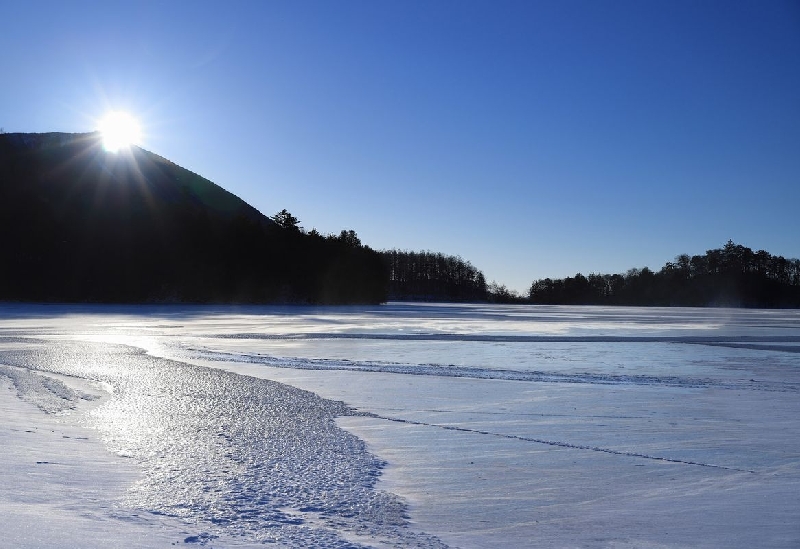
82 224
215 196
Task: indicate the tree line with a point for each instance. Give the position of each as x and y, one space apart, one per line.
430 276
332 269
730 276
733 276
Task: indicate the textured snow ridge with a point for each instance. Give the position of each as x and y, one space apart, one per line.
452 370
48 394
231 455
737 340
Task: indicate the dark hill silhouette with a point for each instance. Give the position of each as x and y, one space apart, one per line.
80 224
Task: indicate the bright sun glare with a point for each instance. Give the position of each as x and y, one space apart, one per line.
120 130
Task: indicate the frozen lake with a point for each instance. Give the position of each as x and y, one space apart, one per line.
405 425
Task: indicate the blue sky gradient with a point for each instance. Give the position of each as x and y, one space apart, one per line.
532 138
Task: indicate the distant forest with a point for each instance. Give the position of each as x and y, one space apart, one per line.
429 276
731 276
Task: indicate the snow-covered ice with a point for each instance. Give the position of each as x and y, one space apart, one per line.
406 425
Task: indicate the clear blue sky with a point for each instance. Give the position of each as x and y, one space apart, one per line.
532 138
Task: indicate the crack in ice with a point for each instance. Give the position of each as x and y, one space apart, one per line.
556 443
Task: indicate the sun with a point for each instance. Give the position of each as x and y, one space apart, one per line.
120 130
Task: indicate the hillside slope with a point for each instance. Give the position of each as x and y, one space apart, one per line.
80 224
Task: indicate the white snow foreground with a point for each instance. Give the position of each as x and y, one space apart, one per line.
478 427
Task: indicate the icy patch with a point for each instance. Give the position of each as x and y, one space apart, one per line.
232 455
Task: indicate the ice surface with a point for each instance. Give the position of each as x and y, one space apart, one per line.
59 485
485 426
237 456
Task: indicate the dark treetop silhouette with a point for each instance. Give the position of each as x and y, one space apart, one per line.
733 276
429 276
80 224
